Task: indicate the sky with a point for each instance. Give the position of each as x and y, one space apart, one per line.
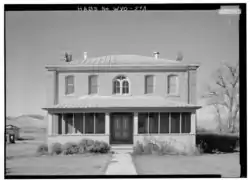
37 38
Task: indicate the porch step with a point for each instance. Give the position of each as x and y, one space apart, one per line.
122 148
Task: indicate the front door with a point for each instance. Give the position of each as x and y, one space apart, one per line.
121 128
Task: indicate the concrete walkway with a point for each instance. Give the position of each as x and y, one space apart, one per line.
121 164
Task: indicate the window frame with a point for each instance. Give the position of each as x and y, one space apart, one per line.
177 91
121 85
90 85
146 85
67 85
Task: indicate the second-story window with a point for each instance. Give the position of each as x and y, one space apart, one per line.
69 85
172 87
149 84
93 84
121 85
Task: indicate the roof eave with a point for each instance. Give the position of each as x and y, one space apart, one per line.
121 67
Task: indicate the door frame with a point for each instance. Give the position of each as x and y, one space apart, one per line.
131 118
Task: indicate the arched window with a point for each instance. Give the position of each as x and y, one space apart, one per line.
172 84
121 85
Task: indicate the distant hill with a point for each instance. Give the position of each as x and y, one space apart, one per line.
27 121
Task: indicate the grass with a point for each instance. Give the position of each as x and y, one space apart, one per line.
59 165
21 159
226 165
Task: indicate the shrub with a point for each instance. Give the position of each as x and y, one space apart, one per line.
56 148
211 142
138 148
42 149
99 147
83 144
70 148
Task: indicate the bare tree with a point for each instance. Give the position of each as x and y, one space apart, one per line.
224 93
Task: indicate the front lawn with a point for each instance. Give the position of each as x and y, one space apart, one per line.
226 165
59 165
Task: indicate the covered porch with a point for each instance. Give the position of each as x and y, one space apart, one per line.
120 126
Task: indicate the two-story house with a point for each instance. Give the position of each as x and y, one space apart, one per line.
121 99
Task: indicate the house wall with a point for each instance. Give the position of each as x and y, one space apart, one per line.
181 142
136 85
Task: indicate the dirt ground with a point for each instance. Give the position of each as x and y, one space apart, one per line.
227 165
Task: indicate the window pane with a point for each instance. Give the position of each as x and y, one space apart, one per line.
89 123
70 89
100 123
68 123
175 122
70 79
78 122
125 87
69 84
172 84
149 84
93 90
93 80
150 80
149 89
186 122
93 84
142 123
164 122
116 87
153 122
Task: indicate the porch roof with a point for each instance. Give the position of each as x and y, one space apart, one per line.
122 102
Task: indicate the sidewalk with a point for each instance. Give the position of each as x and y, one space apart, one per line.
121 164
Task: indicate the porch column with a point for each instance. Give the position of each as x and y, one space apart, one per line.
55 124
193 123
63 124
107 123
49 116
135 123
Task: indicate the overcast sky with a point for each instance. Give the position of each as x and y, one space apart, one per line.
34 39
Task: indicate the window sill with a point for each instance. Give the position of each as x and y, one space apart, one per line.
173 95
121 95
78 135
164 134
69 95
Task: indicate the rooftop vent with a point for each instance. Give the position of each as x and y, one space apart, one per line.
156 55
85 55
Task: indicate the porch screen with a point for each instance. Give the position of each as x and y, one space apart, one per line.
153 122
89 123
100 123
142 123
78 122
68 123
175 122
185 122
164 122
